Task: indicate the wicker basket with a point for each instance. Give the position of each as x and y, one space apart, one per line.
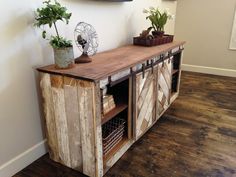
153 42
112 133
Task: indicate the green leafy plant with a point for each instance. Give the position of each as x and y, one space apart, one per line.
158 19
49 15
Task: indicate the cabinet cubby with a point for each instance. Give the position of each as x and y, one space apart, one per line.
115 123
175 72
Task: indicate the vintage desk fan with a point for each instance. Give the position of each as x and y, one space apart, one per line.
86 40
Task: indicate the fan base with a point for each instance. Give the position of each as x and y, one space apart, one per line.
83 59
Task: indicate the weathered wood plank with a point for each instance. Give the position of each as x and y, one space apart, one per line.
86 112
164 82
115 60
118 155
73 122
51 134
144 88
145 101
130 109
58 99
144 112
98 130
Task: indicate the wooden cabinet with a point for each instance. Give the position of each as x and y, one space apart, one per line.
80 134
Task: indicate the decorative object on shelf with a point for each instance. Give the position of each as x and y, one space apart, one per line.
145 33
87 41
112 133
149 42
108 103
158 20
49 15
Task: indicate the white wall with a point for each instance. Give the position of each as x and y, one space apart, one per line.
22 49
206 25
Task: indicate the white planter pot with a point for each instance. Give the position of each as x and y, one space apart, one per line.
64 57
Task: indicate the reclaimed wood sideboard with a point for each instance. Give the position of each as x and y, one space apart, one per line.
143 82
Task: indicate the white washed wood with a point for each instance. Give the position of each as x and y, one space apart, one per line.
45 85
73 122
85 99
61 123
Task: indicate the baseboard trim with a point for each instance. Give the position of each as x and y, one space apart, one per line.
24 159
209 70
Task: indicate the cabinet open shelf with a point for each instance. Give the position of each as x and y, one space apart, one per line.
116 124
175 73
115 149
118 109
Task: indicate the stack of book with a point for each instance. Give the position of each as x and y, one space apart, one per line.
108 103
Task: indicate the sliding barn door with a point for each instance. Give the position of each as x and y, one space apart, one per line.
164 77
144 101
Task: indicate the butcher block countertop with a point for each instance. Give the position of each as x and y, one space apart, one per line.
110 62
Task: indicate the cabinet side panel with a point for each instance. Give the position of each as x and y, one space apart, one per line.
86 114
73 122
58 99
98 130
45 84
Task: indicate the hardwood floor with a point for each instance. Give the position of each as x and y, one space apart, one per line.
195 138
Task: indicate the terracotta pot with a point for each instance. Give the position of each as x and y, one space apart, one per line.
158 33
64 57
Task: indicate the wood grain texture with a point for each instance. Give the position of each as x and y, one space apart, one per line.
164 77
45 84
73 118
58 102
86 113
195 138
98 130
73 123
116 60
145 101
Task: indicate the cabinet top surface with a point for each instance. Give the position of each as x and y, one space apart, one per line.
107 63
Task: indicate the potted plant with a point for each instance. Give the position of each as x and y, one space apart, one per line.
49 15
158 20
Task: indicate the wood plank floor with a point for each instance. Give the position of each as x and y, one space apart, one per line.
195 138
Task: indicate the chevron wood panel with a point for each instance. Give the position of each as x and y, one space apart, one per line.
145 101
164 77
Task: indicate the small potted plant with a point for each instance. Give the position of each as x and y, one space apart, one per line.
158 20
49 15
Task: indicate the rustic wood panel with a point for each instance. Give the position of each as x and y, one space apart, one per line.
164 77
145 101
98 130
73 118
124 147
73 122
195 138
116 60
58 102
86 113
130 109
45 83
